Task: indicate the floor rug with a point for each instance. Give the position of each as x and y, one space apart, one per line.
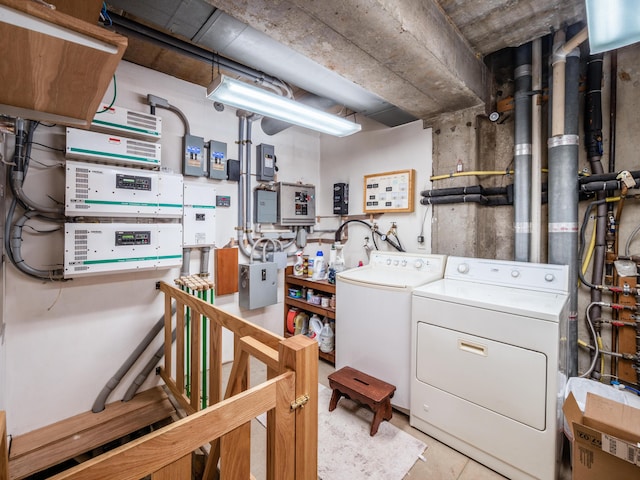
347 451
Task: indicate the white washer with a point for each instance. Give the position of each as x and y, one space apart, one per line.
486 373
373 316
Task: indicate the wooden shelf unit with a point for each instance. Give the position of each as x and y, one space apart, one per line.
321 286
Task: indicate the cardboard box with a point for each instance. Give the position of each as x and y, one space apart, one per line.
606 439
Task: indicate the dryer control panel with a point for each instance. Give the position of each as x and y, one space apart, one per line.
534 276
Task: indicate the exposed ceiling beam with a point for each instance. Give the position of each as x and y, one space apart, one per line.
405 51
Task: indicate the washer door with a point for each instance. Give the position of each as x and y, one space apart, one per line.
506 379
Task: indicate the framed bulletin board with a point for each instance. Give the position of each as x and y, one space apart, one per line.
389 192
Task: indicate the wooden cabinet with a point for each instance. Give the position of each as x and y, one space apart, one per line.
320 287
55 67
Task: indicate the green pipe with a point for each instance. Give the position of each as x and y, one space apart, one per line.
204 355
187 342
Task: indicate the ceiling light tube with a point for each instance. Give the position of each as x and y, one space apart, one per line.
254 99
612 24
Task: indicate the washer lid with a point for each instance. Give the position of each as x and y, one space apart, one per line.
387 277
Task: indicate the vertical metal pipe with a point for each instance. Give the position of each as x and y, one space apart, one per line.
563 187
536 150
522 158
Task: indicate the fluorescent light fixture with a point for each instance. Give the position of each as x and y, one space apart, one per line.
612 24
23 20
254 99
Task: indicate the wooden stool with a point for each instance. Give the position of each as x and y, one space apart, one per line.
376 394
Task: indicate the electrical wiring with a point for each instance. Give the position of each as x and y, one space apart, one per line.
49 147
113 100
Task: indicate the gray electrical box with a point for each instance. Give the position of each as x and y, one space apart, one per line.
217 160
257 285
296 204
193 163
265 162
265 206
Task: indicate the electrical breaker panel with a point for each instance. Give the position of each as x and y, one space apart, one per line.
102 248
296 204
193 164
121 121
199 214
112 149
265 162
105 191
257 285
217 160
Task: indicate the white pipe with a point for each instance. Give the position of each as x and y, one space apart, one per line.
536 151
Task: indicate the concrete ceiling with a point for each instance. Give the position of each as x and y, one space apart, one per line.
392 60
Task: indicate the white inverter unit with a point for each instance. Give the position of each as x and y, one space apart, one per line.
104 248
96 190
113 149
121 121
199 214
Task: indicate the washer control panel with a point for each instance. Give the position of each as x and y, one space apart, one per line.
403 261
535 276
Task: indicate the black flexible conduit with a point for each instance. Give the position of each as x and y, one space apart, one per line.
395 244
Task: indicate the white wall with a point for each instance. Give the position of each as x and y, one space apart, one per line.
377 149
66 340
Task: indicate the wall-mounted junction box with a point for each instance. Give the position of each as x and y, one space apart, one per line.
101 248
265 162
217 159
194 157
199 214
95 190
121 121
257 285
113 149
265 206
296 204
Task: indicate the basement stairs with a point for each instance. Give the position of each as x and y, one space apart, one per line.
70 441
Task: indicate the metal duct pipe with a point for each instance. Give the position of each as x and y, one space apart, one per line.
563 191
522 157
241 184
536 150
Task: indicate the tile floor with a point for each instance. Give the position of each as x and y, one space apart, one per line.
442 462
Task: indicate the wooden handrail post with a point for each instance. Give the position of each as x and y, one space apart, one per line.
300 354
4 448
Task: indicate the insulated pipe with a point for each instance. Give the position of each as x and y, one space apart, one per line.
186 260
593 145
522 157
204 261
563 191
536 150
101 399
142 376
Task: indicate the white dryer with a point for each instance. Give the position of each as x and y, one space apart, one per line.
487 368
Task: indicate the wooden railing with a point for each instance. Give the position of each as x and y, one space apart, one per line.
289 396
4 452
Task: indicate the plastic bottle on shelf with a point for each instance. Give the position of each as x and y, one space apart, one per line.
338 264
326 338
319 267
298 267
315 327
310 265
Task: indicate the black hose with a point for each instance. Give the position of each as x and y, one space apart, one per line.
339 230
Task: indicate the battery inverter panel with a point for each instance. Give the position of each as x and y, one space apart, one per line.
107 191
105 248
199 214
121 121
112 149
